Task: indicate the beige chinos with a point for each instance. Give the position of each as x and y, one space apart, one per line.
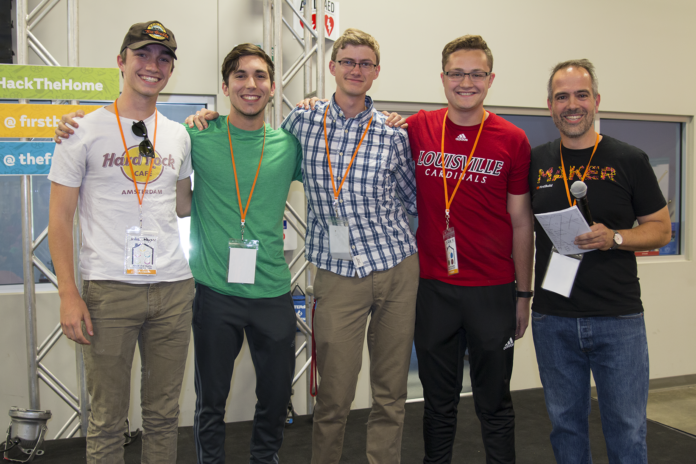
343 307
158 317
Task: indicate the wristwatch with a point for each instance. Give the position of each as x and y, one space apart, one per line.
525 294
618 240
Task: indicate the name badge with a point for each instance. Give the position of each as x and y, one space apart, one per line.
561 272
339 238
140 252
242 264
451 250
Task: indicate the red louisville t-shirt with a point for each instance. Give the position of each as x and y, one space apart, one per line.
500 165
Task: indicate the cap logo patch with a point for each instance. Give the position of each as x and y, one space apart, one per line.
156 31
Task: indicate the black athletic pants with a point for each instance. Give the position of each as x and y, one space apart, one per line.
219 324
450 318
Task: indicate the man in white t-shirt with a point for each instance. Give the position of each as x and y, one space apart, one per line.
129 167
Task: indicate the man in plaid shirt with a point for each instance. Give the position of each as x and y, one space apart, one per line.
359 238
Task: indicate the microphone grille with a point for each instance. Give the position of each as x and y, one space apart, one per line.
578 189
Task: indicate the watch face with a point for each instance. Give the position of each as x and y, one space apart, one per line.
618 238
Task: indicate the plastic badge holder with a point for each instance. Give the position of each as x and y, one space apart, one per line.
339 238
140 252
242 264
451 250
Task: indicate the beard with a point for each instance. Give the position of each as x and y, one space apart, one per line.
573 130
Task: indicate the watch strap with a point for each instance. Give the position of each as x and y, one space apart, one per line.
613 237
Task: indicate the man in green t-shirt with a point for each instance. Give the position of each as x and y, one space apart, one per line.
243 170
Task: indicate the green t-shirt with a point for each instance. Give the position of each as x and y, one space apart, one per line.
215 216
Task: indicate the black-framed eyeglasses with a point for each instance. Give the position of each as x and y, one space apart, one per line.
350 64
475 76
146 149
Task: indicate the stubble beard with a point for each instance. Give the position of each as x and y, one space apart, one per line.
573 131
249 115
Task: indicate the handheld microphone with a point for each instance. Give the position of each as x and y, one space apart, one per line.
579 191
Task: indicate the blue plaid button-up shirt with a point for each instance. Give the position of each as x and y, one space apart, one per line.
379 186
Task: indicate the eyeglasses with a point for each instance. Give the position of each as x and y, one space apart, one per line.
350 64
476 76
146 149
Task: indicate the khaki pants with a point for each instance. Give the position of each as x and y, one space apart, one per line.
158 317
343 306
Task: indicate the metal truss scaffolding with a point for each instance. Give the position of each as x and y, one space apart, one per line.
79 403
312 43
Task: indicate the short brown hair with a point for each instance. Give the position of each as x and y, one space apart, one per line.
231 63
467 42
124 53
355 37
583 63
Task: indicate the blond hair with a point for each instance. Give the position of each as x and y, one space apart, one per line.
355 37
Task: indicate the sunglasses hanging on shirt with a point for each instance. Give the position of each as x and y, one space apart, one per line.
146 149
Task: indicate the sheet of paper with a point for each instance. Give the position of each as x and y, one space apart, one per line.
562 227
561 274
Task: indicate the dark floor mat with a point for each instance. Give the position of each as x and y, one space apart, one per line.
665 445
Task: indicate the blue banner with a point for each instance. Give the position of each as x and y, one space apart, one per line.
300 307
26 158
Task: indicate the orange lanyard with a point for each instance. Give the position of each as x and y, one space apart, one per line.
448 199
328 158
243 212
152 161
587 169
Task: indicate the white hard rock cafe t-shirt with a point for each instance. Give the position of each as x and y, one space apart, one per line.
94 160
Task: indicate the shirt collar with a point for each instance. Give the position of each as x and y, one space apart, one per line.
335 111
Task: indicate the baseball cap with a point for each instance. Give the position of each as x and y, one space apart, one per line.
149 32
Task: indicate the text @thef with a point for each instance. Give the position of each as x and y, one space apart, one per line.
27 160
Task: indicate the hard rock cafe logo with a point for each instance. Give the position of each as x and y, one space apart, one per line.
141 165
156 31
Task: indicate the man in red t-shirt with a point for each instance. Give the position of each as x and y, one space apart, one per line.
475 248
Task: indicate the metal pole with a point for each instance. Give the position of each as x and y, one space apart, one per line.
29 295
321 50
278 61
27 230
21 28
307 48
73 33
267 31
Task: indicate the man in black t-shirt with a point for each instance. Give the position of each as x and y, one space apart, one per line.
600 326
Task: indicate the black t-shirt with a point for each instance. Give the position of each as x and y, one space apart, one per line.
621 185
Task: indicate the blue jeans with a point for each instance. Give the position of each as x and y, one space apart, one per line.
615 349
